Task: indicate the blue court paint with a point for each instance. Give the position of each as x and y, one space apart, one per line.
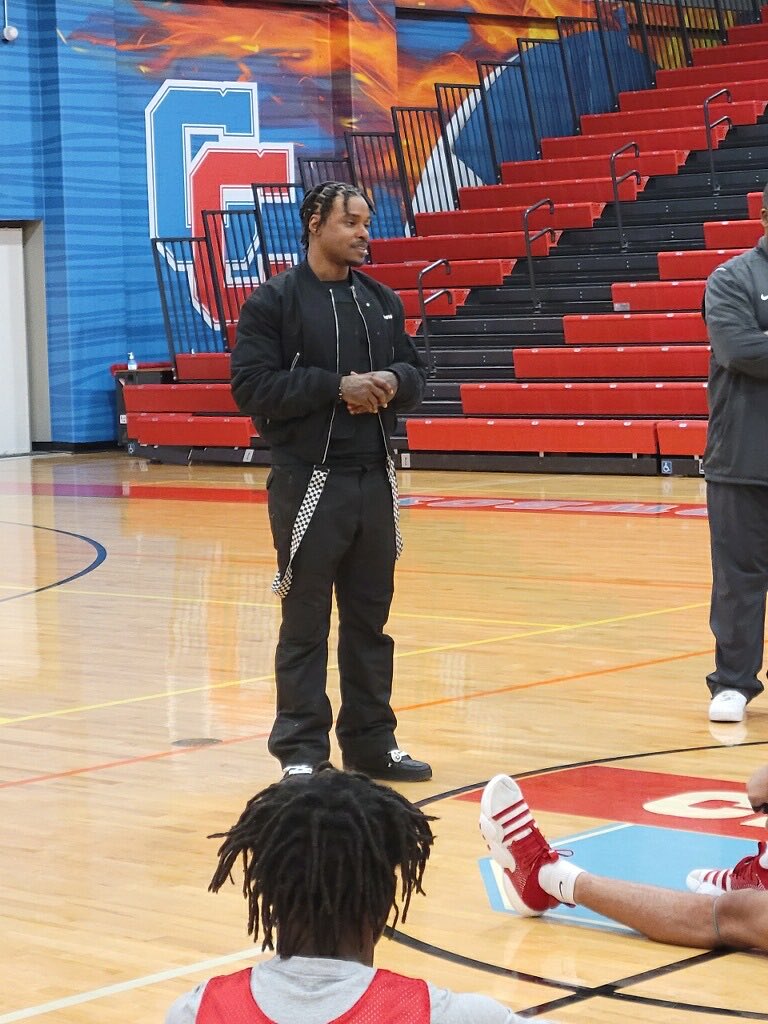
634 853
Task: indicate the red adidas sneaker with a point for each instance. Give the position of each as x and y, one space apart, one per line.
749 873
516 844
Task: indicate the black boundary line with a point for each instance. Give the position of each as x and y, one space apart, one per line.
580 993
101 554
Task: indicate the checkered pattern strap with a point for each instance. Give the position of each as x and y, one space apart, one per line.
392 474
282 584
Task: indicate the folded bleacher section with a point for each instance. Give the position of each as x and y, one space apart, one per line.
562 327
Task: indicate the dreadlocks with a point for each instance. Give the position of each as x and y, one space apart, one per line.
320 859
321 198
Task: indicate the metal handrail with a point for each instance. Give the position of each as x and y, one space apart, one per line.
424 302
623 245
709 125
529 240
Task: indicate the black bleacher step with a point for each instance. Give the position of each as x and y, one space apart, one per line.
482 373
498 307
593 268
678 210
442 391
521 294
654 233
479 356
470 338
529 325
729 182
727 159
746 135
601 248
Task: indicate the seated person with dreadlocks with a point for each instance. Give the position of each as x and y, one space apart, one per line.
730 910
321 856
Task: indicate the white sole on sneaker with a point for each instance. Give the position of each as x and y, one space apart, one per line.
728 706
697 883
501 792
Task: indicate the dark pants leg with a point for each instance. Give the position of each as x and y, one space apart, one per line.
738 527
364 586
300 734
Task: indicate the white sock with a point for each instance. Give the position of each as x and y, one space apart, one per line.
558 879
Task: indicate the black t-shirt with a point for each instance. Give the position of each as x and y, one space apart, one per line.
355 440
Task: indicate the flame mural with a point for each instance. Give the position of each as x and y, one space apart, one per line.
309 56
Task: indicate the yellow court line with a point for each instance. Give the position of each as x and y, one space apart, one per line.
74 590
405 654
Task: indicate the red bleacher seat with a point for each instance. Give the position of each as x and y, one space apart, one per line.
635 296
681 438
647 164
631 437
191 431
480 197
718 77
743 112
754 205
510 218
686 96
504 245
736 53
651 361
203 366
463 273
648 141
628 328
748 33
179 398
688 398
732 234
694 265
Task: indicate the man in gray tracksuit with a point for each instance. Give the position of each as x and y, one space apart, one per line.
736 470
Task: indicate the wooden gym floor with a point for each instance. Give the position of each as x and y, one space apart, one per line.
561 634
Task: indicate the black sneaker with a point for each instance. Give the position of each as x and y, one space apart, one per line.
394 766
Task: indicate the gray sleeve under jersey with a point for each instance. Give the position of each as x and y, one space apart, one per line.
464 1008
447 1008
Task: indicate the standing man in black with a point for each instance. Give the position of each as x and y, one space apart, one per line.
736 469
322 363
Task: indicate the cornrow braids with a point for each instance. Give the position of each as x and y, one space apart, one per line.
320 857
321 198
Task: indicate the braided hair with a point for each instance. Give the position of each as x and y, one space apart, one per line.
320 857
321 198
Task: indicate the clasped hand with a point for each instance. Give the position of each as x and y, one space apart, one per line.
368 392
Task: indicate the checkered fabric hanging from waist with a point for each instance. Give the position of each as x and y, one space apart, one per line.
281 584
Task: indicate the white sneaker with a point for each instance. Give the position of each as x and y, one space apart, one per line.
727 706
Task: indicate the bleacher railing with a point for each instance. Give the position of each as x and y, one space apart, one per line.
237 264
465 132
315 170
278 224
430 184
591 89
190 300
378 173
544 79
507 112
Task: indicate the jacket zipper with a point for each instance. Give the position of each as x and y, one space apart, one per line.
333 411
370 361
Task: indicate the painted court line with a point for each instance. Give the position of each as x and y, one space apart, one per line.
505 638
126 986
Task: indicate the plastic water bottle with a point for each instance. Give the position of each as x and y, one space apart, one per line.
132 364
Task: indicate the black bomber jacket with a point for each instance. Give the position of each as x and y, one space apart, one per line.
285 372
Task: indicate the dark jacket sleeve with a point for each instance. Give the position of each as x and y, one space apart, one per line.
737 342
408 366
261 384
